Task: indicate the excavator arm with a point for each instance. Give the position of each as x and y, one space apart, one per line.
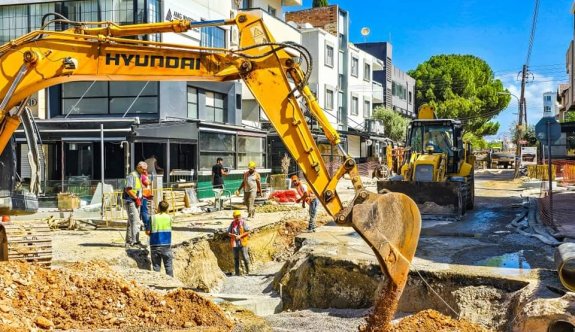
390 223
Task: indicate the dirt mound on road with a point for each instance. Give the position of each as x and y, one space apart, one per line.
431 320
92 296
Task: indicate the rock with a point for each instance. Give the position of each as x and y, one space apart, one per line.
5 308
188 325
43 323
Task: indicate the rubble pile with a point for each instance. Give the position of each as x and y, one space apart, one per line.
431 320
92 296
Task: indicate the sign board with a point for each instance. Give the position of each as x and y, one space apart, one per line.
528 155
547 126
522 142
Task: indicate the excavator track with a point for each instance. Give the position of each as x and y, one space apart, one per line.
26 241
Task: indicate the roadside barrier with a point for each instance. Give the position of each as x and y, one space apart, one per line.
540 172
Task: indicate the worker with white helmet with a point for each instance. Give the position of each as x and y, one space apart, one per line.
251 185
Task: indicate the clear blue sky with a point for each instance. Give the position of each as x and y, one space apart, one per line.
495 30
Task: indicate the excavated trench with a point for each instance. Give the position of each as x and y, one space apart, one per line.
320 275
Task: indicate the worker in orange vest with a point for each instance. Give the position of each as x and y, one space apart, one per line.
306 196
238 232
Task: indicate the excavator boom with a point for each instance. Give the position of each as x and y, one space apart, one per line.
389 223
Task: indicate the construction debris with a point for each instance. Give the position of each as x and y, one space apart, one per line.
92 296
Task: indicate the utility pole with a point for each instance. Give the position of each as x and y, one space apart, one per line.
521 116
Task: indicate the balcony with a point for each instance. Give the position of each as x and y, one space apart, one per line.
373 126
377 92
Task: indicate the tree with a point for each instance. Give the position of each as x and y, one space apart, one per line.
319 3
527 134
569 117
461 87
394 125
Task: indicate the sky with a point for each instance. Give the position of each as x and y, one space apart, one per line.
497 31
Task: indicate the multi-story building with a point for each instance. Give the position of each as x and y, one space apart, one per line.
399 92
186 125
343 80
550 104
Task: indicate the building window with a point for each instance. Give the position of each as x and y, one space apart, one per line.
354 66
214 145
410 97
92 98
398 90
192 103
251 149
329 56
213 37
215 107
272 11
246 4
340 115
547 98
366 109
366 72
328 99
354 105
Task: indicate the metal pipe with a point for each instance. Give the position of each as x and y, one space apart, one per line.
565 263
561 326
102 164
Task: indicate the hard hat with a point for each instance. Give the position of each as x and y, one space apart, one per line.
294 178
237 213
252 165
143 165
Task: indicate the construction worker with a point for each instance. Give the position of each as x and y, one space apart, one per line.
146 197
305 195
238 231
160 232
252 186
132 196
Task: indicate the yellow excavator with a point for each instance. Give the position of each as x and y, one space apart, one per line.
275 72
438 169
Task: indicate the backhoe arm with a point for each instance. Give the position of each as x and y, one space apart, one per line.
389 223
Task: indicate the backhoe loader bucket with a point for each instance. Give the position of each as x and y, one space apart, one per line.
390 223
432 198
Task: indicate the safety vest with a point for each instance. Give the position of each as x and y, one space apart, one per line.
137 189
302 189
161 230
243 240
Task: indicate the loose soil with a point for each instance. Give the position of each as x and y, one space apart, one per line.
92 296
431 320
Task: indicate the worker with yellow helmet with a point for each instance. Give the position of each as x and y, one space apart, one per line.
238 231
251 185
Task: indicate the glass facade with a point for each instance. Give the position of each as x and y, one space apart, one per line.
213 37
91 98
214 145
18 20
248 148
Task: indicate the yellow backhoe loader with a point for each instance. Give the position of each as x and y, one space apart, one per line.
438 169
276 74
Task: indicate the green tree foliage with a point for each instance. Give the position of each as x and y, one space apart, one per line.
527 134
477 142
569 117
319 3
394 125
461 87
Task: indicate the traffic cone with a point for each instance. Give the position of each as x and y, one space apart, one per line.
5 218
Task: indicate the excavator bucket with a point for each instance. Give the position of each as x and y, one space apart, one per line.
390 223
432 198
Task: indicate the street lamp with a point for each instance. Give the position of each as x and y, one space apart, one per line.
518 131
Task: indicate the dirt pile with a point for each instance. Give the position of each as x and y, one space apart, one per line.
92 296
431 320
